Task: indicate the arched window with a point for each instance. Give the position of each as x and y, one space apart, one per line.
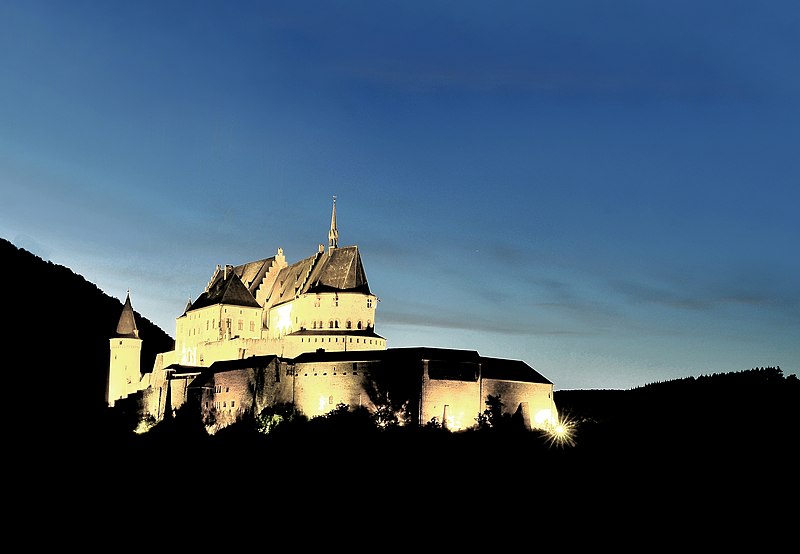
330 324
349 324
358 325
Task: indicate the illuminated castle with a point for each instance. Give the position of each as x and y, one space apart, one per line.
268 332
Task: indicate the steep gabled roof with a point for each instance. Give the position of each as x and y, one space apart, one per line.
340 269
126 328
252 273
226 288
337 270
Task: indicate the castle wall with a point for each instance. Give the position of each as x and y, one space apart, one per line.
451 393
179 392
228 395
535 400
320 387
154 386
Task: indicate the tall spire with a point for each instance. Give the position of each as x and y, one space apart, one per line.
333 234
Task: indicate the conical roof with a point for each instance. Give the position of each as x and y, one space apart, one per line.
126 328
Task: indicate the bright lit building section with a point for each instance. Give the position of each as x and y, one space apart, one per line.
268 332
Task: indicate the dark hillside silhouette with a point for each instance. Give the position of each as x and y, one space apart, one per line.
745 416
60 325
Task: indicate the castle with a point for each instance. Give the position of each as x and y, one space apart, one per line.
268 332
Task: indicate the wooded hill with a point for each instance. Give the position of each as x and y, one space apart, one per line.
60 325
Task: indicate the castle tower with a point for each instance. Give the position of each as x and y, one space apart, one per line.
124 366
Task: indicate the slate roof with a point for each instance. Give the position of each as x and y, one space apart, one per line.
337 270
126 328
333 332
242 363
511 370
225 288
252 273
410 354
183 370
491 368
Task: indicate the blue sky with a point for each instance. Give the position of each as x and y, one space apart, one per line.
605 190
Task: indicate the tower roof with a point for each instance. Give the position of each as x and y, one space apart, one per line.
126 328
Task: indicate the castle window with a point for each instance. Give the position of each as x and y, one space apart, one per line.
369 302
316 302
349 324
314 326
206 325
233 403
240 325
252 326
330 324
330 400
358 325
